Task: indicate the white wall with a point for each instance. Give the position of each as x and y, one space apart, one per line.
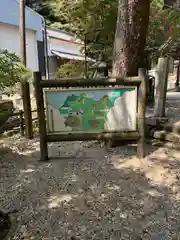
9 13
10 39
64 46
63 42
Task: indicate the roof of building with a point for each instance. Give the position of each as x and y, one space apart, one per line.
63 35
61 31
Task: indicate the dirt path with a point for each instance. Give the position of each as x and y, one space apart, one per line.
87 193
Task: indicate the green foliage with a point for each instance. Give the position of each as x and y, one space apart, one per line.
11 70
160 20
97 18
41 7
89 16
85 16
72 69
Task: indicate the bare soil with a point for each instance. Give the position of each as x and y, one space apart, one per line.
85 192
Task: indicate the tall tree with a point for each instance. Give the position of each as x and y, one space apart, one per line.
97 18
163 28
89 16
35 4
42 7
130 37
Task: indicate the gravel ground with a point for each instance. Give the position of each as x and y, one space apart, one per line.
87 192
173 112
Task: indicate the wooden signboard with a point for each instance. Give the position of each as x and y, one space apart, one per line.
106 109
81 110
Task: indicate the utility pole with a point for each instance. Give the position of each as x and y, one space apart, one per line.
22 33
46 49
25 90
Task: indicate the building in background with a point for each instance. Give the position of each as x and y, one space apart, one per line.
63 47
172 3
10 37
47 49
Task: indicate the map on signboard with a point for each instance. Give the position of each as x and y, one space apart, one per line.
91 110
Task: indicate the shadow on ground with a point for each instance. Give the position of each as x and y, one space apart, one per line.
94 195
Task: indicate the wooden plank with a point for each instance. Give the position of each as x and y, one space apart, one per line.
165 136
33 111
92 136
133 81
19 112
41 116
34 119
141 149
9 126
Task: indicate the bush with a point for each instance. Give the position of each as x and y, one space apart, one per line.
11 70
71 69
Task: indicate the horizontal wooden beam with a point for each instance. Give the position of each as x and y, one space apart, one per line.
130 81
92 136
22 112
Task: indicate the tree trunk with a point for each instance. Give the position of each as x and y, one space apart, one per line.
130 37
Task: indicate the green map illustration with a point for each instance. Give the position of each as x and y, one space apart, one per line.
85 110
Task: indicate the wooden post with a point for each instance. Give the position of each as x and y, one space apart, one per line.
27 109
25 85
161 87
141 147
41 116
85 50
46 50
178 73
21 123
